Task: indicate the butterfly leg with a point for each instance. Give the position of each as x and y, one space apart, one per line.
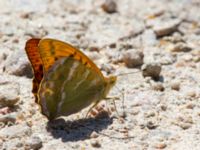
100 107
96 109
113 98
94 105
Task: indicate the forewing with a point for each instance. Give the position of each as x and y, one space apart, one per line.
52 50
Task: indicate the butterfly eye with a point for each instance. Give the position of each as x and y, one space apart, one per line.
113 79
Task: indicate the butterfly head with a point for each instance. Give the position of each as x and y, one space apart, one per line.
110 82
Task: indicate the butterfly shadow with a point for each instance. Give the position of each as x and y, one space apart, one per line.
78 129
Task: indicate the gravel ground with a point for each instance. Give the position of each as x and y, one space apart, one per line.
158 40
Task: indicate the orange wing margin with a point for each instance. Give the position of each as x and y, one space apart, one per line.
51 50
32 51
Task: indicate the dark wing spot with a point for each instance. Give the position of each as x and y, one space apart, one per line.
41 68
39 75
56 58
84 63
71 55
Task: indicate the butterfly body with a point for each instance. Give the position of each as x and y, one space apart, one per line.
66 80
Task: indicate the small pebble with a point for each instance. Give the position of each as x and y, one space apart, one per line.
95 143
156 12
151 70
109 6
180 47
133 58
12 144
158 87
121 120
3 55
9 94
190 106
18 64
19 144
12 117
175 38
34 143
166 28
185 122
94 49
25 15
15 40
113 45
150 114
160 145
196 55
15 131
184 125
163 107
135 111
94 135
191 93
151 125
175 85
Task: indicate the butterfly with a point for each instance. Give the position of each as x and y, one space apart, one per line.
65 79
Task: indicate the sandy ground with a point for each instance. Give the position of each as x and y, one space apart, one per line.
158 40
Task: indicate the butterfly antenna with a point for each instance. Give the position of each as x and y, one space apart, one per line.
123 90
122 74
